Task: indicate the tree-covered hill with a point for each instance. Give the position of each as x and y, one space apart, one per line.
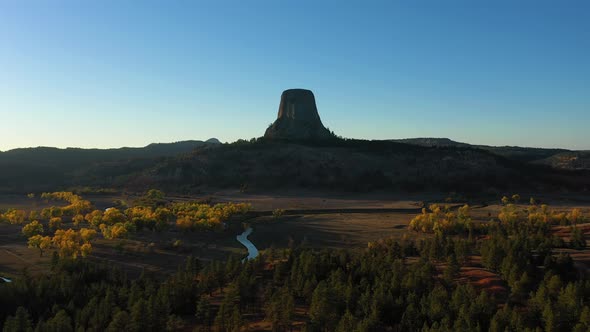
339 164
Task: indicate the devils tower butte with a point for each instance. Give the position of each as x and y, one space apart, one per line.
298 118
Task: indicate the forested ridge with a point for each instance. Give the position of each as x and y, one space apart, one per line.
260 164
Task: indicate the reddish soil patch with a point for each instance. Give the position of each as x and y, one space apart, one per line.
485 280
565 231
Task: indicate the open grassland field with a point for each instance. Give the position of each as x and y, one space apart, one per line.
331 230
157 252
314 220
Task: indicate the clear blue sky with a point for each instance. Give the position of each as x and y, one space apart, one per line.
128 73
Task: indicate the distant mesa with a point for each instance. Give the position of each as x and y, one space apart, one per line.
298 118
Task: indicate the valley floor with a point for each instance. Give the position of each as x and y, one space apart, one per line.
317 220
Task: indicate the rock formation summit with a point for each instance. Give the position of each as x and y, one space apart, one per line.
298 118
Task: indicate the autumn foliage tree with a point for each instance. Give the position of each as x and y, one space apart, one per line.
55 223
77 219
94 218
40 242
441 219
71 243
77 204
116 231
191 215
13 216
32 228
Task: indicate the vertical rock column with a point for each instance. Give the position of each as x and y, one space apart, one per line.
298 118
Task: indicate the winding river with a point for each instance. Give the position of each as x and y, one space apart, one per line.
243 239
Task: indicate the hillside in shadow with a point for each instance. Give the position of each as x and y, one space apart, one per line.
261 164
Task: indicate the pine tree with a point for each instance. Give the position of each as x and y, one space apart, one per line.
321 310
288 307
549 318
236 320
585 316
120 322
61 322
452 269
173 324
577 239
139 321
203 312
20 322
159 311
346 323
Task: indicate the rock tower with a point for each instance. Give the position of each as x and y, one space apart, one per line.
298 118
